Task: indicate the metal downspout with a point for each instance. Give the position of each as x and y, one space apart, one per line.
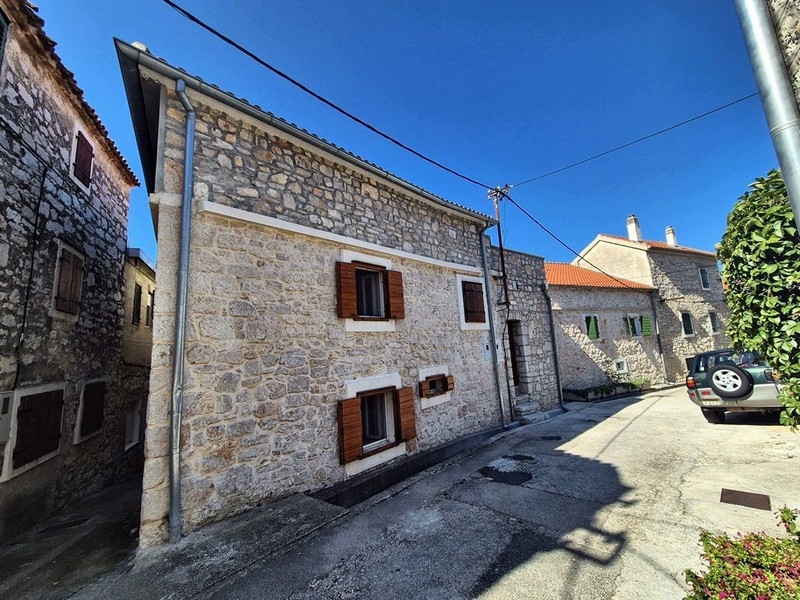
555 347
775 89
179 346
492 335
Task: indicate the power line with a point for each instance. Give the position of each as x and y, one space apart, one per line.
319 97
641 139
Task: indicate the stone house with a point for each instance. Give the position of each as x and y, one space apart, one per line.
337 318
64 191
691 309
605 327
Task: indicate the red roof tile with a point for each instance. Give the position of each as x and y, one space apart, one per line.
566 274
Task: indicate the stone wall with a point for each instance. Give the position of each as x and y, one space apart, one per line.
267 357
137 338
586 363
786 15
677 278
41 206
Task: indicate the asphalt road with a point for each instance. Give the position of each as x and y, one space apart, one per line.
603 502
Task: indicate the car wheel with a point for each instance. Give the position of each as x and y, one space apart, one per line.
729 381
714 416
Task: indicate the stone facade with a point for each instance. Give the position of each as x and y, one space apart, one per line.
137 326
587 363
674 271
268 359
786 15
43 211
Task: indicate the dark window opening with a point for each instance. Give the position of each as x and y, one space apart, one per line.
84 155
3 34
137 304
688 325
370 293
38 426
94 395
151 303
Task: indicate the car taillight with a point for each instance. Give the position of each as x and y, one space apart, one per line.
690 383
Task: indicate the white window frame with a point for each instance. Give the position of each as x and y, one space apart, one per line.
621 366
691 322
76 435
368 325
133 423
365 384
74 151
637 325
426 372
460 296
701 271
8 471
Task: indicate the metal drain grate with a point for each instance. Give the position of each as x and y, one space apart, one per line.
749 499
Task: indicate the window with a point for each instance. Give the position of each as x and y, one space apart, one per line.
90 411
3 34
38 427
151 303
704 281
436 385
367 291
375 420
472 294
133 419
137 304
82 161
716 325
638 325
688 325
621 366
592 327
69 282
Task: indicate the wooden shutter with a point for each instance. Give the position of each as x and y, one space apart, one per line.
82 168
137 304
405 408
473 302
77 285
346 290
424 388
64 288
351 442
94 395
38 426
397 307
647 328
451 383
592 329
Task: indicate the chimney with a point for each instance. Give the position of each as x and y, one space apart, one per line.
672 239
634 232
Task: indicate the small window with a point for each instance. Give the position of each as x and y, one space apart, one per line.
90 410
137 304
592 327
688 324
3 35
38 427
367 291
436 385
633 325
151 303
472 295
133 420
704 281
716 325
69 284
621 366
82 161
375 420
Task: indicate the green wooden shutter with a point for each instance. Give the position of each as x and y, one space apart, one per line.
592 329
647 328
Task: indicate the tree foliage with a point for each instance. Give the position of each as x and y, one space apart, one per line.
760 255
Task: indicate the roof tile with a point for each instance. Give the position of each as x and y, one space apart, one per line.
570 275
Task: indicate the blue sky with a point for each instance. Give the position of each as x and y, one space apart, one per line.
500 91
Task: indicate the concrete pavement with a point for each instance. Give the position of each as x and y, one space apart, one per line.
605 501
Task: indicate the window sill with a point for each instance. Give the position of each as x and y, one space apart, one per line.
30 465
364 464
432 401
369 325
63 316
130 445
78 439
474 326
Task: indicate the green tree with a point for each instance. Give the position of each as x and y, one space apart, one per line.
760 255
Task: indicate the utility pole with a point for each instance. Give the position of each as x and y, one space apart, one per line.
495 195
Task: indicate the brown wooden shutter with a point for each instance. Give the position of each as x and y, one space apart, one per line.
93 400
351 441
82 168
397 307
137 305
64 287
38 426
76 287
346 290
472 293
451 383
405 409
424 389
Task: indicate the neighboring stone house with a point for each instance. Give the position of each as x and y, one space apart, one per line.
605 328
336 316
691 309
64 191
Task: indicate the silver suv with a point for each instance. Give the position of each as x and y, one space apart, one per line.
727 380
